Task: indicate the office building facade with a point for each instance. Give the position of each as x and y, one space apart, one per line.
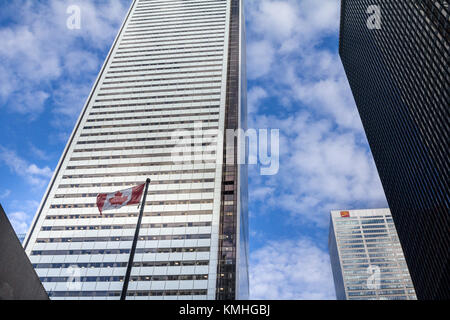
366 257
172 84
395 54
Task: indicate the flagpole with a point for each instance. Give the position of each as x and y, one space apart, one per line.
133 247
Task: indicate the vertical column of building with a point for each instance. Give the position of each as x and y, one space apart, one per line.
227 258
162 80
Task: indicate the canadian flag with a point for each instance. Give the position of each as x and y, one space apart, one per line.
116 200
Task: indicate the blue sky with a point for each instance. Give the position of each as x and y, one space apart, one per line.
296 84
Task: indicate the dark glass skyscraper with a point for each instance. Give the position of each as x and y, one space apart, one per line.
399 76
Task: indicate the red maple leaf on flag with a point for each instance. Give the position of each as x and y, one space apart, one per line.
118 199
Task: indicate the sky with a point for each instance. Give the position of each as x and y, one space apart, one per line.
296 84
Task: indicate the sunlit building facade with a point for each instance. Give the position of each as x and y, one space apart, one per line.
366 257
172 84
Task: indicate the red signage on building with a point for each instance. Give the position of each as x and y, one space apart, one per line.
345 214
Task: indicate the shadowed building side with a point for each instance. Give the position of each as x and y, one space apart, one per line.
18 280
399 77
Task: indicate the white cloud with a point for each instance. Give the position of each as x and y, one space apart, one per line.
291 270
261 55
34 175
42 57
22 214
277 20
292 24
5 194
325 162
38 153
254 97
19 221
320 169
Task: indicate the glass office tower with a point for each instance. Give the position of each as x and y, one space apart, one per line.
172 84
366 257
398 72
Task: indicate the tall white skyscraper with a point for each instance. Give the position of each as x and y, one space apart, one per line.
172 84
366 257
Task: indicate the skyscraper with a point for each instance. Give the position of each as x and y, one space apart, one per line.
395 54
366 257
172 84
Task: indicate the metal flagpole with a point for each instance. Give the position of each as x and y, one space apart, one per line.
133 247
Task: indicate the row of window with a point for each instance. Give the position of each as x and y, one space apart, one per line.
174 33
354 266
400 281
127 215
168 74
193 94
178 132
121 278
173 39
159 192
90 265
124 238
185 19
151 12
117 251
181 13
115 91
130 293
174 49
187 161
373 293
166 84
383 270
129 226
203 124
173 153
205 136
149 81
140 147
132 183
207 124
203 102
152 203
145 5
160 116
141 173
170 6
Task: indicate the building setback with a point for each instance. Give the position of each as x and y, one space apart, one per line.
366 257
172 84
397 66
